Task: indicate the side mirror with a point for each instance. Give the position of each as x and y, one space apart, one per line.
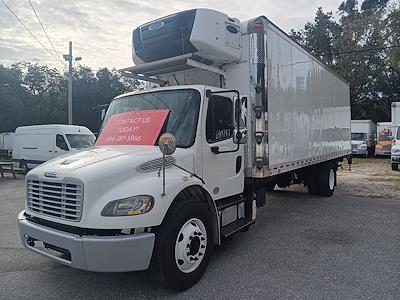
240 132
167 144
103 114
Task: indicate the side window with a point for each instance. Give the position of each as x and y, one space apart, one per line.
60 142
219 123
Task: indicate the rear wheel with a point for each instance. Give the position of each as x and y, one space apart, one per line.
327 180
312 181
184 243
395 166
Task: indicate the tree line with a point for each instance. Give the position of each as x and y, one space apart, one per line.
361 41
32 94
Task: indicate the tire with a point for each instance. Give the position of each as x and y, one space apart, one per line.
24 167
270 186
327 180
184 242
395 166
312 181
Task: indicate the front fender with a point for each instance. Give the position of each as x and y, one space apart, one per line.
176 180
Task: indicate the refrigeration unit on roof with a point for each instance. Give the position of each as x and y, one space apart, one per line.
211 36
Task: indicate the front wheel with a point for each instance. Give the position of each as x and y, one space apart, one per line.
395 166
184 243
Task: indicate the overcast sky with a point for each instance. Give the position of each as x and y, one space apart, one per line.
101 30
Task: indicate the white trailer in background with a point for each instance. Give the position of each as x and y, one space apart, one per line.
248 108
395 114
6 144
363 133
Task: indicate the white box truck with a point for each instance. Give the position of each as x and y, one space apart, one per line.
242 107
34 145
363 134
6 144
395 114
395 153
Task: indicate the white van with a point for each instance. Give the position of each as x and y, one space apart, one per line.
36 144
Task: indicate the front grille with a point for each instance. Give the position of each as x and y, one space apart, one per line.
387 147
55 199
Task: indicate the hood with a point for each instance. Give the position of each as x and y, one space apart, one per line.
358 143
79 159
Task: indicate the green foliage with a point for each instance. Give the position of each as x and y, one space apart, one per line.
359 47
32 94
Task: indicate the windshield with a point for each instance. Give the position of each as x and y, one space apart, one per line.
80 140
384 135
183 105
358 136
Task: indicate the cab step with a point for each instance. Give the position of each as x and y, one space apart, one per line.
235 227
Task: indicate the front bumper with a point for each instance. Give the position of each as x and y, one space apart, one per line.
396 158
382 152
90 253
357 151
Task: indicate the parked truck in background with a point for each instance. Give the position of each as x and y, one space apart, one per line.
363 134
384 138
6 144
243 108
395 153
36 144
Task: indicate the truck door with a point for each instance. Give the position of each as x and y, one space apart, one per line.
61 146
222 172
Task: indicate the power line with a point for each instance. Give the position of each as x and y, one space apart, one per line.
31 32
44 30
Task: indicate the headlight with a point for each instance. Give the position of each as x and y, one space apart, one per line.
363 146
396 150
131 206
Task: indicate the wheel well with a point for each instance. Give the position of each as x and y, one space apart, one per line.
199 193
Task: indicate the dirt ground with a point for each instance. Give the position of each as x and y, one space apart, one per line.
369 177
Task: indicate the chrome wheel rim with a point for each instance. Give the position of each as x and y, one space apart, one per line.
190 245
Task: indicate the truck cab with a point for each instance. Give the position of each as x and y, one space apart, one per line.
362 137
395 153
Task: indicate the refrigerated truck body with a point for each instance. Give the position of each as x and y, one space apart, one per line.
363 133
249 109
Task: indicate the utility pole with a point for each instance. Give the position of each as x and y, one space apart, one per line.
69 58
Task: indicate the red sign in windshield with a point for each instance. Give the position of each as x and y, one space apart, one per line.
133 128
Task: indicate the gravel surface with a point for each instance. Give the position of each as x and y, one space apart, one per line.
370 177
301 247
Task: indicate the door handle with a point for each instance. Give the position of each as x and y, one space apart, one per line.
55 151
49 150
